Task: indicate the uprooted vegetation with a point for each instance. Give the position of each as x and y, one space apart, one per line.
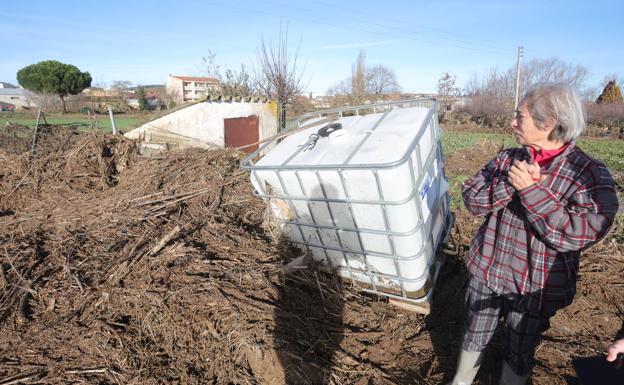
120 269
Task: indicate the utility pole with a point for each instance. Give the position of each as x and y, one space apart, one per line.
518 78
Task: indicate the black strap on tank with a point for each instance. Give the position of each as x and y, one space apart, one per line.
325 131
321 133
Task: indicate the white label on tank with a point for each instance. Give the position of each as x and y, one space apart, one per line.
426 185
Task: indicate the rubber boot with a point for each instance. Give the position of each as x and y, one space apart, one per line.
509 377
467 367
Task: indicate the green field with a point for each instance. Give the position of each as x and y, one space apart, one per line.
610 151
123 122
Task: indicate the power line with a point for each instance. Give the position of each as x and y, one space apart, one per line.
255 11
385 26
483 43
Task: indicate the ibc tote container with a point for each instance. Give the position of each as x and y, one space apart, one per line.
363 190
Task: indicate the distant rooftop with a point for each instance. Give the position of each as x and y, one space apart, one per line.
195 79
12 91
146 86
7 85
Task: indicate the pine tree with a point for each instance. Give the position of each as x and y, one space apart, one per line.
358 78
54 77
610 94
143 104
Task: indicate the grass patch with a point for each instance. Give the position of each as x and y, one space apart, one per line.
80 121
457 140
609 151
455 182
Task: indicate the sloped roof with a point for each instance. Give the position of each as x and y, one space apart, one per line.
12 91
196 79
8 85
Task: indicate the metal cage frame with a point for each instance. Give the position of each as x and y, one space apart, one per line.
425 227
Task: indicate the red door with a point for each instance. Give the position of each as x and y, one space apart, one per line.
241 131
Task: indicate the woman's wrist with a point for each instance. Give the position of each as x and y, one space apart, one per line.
616 348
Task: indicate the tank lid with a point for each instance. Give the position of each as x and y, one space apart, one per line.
374 139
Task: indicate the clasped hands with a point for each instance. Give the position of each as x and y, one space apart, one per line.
522 175
616 348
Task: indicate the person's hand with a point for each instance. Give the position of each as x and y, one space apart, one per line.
615 348
535 171
522 175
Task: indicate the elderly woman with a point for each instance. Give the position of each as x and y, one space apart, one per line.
543 204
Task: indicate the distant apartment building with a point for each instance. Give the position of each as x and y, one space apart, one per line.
187 88
322 101
19 98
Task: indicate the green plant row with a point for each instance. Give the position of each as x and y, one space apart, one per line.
609 151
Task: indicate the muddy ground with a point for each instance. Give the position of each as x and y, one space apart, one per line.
120 269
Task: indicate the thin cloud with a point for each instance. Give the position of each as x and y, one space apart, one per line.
90 28
358 45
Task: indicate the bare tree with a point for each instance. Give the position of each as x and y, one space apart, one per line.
231 82
446 92
209 67
492 94
121 85
49 102
99 83
365 83
120 100
491 98
553 69
446 85
237 83
381 80
533 72
589 94
277 73
166 97
343 87
341 93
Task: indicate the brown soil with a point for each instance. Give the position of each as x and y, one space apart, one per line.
470 160
119 269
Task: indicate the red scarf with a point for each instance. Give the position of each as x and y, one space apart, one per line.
542 156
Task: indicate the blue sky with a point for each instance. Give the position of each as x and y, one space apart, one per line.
144 41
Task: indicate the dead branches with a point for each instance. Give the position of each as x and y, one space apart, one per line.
174 234
168 275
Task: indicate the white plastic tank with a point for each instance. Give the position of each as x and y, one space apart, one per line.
366 195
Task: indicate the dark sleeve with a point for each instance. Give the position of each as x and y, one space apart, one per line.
580 223
488 190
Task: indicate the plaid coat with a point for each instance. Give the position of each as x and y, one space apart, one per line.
531 240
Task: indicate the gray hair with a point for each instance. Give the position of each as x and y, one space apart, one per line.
558 101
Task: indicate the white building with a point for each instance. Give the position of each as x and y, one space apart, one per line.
220 123
187 88
18 97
